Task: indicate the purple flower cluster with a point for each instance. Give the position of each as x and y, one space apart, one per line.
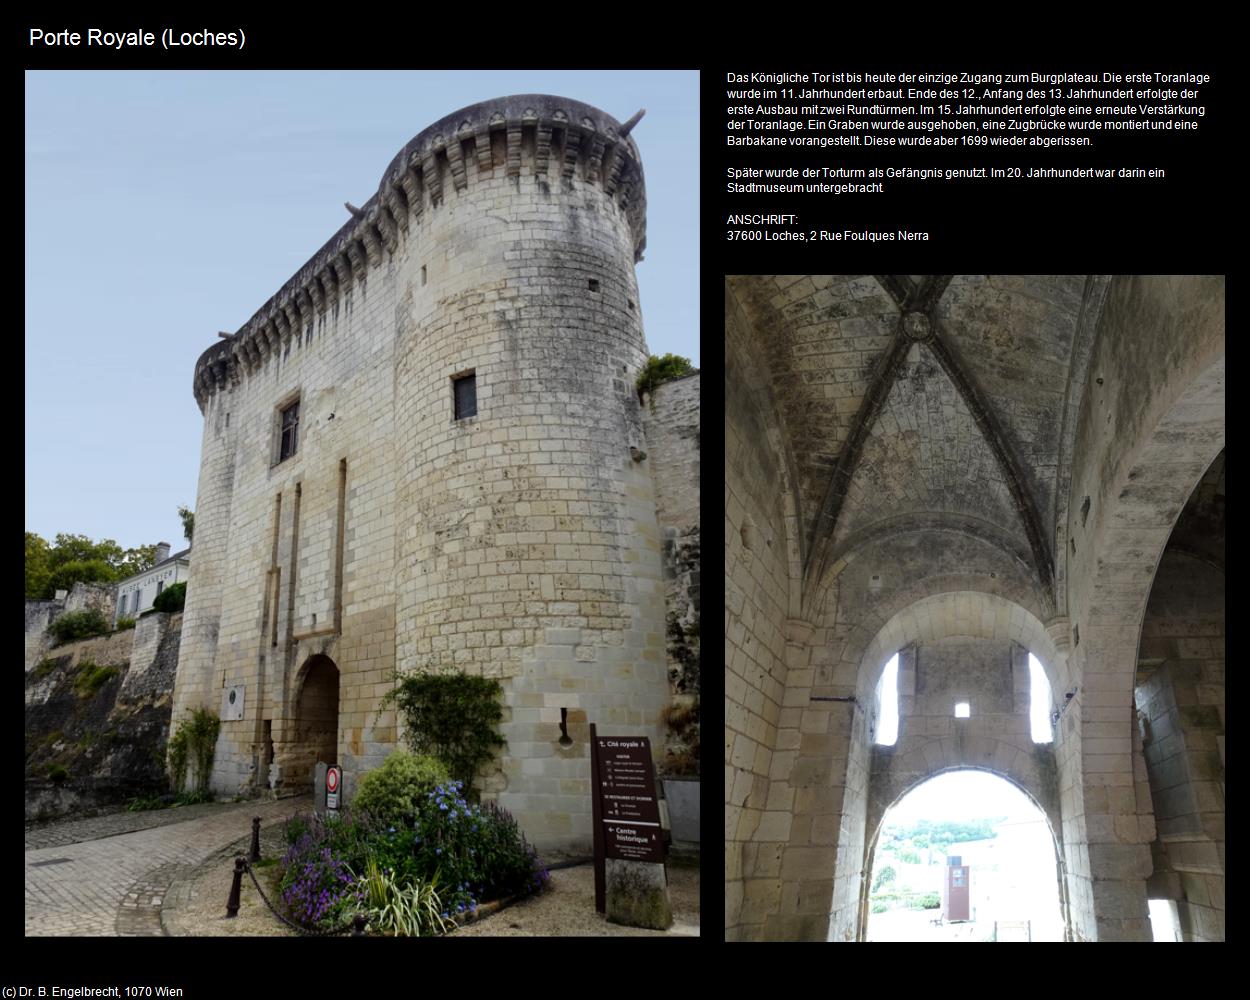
314 888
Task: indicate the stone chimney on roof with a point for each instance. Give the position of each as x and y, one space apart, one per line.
162 551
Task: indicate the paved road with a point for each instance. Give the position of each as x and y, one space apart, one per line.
109 882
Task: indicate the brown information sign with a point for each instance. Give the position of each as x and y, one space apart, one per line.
625 787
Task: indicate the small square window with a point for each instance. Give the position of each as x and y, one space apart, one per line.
290 432
962 710
464 390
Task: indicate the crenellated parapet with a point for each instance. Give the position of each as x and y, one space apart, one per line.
557 141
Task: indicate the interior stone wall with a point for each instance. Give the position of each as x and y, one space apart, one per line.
1180 697
757 596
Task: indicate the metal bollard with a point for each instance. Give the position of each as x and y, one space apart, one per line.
255 855
232 904
358 925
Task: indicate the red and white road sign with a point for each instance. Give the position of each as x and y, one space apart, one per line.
334 775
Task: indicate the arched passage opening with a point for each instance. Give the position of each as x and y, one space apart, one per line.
964 855
315 725
1180 706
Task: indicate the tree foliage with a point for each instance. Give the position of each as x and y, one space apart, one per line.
173 598
188 521
451 716
884 875
658 370
74 559
79 625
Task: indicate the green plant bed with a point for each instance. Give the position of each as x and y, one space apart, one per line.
450 851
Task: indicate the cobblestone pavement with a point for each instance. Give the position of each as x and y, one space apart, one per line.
114 883
74 831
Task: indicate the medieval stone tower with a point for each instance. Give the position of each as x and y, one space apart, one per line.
425 451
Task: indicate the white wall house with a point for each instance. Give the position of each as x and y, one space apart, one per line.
135 594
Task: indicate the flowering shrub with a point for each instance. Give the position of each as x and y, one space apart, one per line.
409 878
318 888
478 851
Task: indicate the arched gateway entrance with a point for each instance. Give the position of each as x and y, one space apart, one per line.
314 729
1005 858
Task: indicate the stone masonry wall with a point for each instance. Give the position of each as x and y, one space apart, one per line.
757 601
671 424
39 615
520 543
110 742
1180 695
993 677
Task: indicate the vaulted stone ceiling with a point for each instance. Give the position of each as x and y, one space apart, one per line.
1200 530
926 401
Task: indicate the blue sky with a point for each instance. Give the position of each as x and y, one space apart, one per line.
162 207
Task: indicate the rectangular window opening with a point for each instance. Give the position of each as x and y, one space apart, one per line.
962 710
464 392
289 431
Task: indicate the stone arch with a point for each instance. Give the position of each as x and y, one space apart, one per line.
314 730
875 774
1041 797
961 614
1150 426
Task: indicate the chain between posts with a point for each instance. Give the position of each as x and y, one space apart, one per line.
356 925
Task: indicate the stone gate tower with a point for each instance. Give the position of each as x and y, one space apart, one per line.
425 451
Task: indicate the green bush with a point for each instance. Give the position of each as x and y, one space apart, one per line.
397 788
123 624
196 739
452 716
79 625
91 677
57 772
172 598
879 907
479 850
930 901
658 370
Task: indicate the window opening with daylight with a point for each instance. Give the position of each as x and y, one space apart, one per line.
887 704
290 432
1039 703
962 710
465 391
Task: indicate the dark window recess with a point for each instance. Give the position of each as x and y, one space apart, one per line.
160 585
290 432
466 396
594 284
